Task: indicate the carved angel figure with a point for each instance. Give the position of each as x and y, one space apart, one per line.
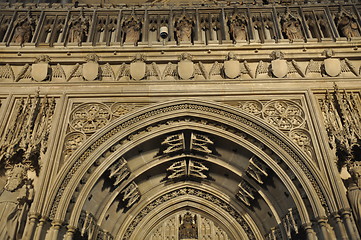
185 69
331 66
132 29
24 30
231 68
348 26
278 67
184 27
238 27
15 199
138 70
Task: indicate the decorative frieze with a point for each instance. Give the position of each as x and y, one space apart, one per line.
139 69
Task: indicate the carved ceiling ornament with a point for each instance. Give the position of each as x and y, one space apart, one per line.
90 117
193 192
75 163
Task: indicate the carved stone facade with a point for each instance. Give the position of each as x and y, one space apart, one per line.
170 120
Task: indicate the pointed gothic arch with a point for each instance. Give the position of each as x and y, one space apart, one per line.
291 167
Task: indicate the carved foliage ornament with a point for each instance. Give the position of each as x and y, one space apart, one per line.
342 117
26 134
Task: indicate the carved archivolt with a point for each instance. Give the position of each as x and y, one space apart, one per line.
193 192
189 107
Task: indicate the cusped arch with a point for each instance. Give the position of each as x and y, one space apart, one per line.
150 117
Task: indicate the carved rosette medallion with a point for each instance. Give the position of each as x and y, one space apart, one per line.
90 117
303 139
284 114
72 141
119 109
252 106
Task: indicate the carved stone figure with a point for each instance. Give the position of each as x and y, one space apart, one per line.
238 27
291 27
188 229
15 199
79 28
184 27
24 30
132 29
91 67
40 68
348 26
354 193
279 67
185 69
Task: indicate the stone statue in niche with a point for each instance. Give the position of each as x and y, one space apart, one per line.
238 27
184 26
188 228
354 192
132 29
347 25
15 200
25 27
79 28
291 27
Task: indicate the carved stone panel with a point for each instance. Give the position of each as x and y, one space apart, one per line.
90 117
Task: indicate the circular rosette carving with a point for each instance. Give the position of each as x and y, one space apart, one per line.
90 117
303 139
284 114
72 141
252 106
119 109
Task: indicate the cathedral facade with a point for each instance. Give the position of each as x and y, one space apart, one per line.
171 120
